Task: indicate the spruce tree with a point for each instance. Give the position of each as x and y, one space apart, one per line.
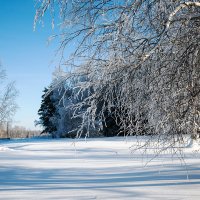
46 112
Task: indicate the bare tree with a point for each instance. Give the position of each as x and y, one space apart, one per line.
8 95
142 57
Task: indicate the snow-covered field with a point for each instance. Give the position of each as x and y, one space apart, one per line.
101 168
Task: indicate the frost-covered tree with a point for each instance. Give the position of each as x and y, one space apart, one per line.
8 94
141 57
71 105
64 121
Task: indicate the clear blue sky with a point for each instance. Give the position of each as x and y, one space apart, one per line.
25 55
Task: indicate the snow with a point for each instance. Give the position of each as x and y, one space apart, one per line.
102 168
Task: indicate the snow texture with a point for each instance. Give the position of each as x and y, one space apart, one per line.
102 168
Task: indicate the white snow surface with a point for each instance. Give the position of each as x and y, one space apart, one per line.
102 168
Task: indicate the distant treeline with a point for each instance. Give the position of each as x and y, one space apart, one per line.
7 131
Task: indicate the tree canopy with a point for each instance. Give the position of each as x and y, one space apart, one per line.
141 57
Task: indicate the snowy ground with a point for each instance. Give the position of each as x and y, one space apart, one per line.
94 169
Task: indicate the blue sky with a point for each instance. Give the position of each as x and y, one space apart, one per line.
25 55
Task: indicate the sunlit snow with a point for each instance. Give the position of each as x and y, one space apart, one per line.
102 168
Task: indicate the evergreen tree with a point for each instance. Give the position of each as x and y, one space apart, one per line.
46 112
